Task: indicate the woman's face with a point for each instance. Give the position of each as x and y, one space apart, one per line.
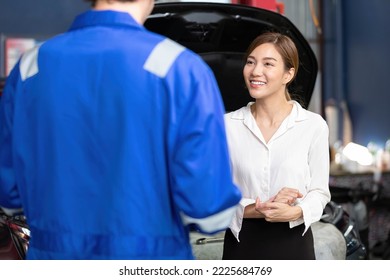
264 72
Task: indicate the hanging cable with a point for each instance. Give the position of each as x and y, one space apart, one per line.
314 17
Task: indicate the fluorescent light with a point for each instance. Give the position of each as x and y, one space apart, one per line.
358 153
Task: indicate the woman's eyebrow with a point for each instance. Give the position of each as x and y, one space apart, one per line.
270 58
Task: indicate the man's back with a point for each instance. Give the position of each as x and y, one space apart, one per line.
112 136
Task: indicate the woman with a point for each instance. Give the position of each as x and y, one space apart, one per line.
280 159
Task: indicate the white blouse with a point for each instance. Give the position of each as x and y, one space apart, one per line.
297 156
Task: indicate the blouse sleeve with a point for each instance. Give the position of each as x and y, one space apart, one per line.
318 194
235 225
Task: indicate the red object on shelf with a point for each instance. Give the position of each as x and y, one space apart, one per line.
271 5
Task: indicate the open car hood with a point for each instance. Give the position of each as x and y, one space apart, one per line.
221 33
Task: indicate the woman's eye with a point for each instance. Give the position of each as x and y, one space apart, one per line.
249 62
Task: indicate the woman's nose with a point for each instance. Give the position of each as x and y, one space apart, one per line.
257 70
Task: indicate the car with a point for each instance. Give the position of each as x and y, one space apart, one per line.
220 33
14 237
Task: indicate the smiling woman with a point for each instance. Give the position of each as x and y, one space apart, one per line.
277 53
285 190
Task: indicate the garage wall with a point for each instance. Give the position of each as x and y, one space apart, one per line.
38 17
299 13
356 64
367 48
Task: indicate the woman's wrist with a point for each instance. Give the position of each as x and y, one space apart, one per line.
298 213
251 213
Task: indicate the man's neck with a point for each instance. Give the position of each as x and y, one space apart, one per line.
139 9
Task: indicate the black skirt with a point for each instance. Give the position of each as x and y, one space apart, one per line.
262 240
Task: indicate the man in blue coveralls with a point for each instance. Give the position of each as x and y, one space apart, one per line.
113 141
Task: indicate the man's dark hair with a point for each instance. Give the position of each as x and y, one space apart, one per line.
93 2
